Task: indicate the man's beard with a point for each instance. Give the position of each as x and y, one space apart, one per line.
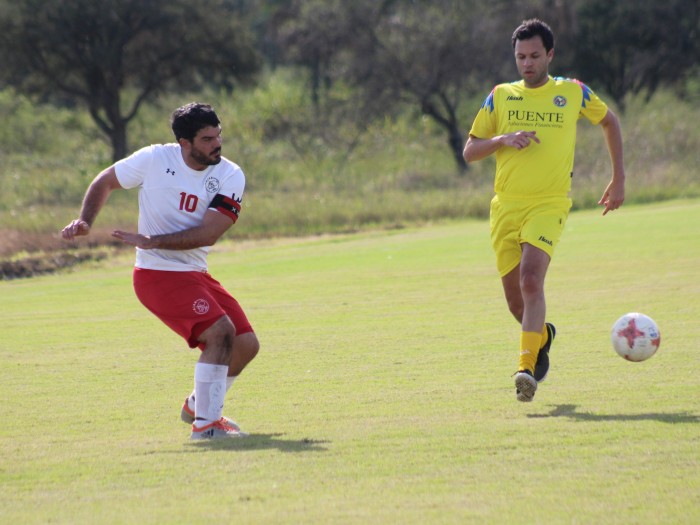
205 160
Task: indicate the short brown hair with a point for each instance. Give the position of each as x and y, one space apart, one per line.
532 28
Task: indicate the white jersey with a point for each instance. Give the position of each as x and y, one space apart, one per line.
174 197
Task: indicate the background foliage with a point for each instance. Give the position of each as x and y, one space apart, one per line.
347 114
113 55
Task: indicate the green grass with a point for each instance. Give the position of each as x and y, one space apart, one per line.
382 393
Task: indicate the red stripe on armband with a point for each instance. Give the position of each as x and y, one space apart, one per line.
226 205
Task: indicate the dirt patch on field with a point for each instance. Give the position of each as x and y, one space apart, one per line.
28 254
46 263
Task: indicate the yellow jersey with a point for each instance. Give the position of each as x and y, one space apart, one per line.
551 110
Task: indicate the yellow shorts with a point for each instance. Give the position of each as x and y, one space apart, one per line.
537 221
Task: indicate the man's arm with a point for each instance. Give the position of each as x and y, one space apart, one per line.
213 226
477 149
95 197
614 194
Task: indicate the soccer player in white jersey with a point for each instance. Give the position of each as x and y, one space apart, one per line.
530 126
189 195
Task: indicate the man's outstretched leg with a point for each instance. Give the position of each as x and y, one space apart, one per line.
524 290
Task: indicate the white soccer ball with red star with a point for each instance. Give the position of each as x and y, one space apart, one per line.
635 337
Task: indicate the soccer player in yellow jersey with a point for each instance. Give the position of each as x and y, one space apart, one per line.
530 125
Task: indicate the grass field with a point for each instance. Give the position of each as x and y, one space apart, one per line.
382 393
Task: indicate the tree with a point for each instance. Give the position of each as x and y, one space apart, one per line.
429 54
114 55
320 38
633 47
433 54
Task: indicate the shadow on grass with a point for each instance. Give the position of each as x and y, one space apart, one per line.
570 412
262 442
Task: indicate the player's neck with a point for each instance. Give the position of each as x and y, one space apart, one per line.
538 84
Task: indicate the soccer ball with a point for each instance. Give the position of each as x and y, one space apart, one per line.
635 337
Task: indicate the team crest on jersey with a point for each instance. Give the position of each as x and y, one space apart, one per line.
559 101
200 306
212 184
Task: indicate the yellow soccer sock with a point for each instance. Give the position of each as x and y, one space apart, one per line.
545 337
529 348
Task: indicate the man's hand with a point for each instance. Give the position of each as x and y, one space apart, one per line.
519 139
134 239
477 149
95 197
613 197
76 228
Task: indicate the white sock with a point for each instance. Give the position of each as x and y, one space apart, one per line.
229 384
210 391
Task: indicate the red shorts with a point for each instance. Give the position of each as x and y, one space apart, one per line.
188 302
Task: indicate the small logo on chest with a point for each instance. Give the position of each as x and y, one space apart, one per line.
559 101
169 171
211 184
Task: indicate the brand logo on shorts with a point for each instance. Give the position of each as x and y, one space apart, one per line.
212 184
543 239
200 306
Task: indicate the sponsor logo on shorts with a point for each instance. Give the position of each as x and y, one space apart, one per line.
545 240
200 306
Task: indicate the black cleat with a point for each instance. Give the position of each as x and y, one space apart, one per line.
542 365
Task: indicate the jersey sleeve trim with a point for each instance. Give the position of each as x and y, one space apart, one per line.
488 103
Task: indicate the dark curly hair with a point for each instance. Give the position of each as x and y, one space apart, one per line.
187 120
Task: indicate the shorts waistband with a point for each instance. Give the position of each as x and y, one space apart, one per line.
198 270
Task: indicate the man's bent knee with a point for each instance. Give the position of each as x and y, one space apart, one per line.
218 340
248 345
245 348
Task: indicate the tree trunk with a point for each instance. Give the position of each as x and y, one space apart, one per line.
118 138
456 143
449 122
